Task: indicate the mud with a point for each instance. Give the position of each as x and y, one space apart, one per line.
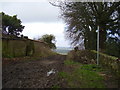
32 73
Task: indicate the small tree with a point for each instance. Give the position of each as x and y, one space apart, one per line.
49 39
11 25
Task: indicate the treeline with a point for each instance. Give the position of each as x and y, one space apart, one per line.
82 20
11 25
12 28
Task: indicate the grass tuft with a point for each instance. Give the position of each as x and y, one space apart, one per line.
62 74
91 67
70 62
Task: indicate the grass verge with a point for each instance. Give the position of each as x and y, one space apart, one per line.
82 76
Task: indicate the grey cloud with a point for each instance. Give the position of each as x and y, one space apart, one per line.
32 11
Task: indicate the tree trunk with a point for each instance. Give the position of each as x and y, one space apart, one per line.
90 40
102 38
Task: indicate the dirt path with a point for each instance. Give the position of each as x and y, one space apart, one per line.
32 73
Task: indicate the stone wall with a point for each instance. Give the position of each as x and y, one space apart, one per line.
23 47
110 62
89 57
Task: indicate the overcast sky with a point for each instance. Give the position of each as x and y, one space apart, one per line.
39 18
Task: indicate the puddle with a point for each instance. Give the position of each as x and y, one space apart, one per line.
52 71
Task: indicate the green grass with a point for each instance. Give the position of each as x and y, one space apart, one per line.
62 74
87 79
92 67
85 76
70 62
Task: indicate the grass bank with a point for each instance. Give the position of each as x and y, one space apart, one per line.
78 75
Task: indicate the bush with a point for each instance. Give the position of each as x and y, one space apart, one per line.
82 56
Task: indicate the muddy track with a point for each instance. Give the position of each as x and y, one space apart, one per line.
32 73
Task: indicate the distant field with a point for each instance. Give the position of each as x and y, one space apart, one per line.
63 50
